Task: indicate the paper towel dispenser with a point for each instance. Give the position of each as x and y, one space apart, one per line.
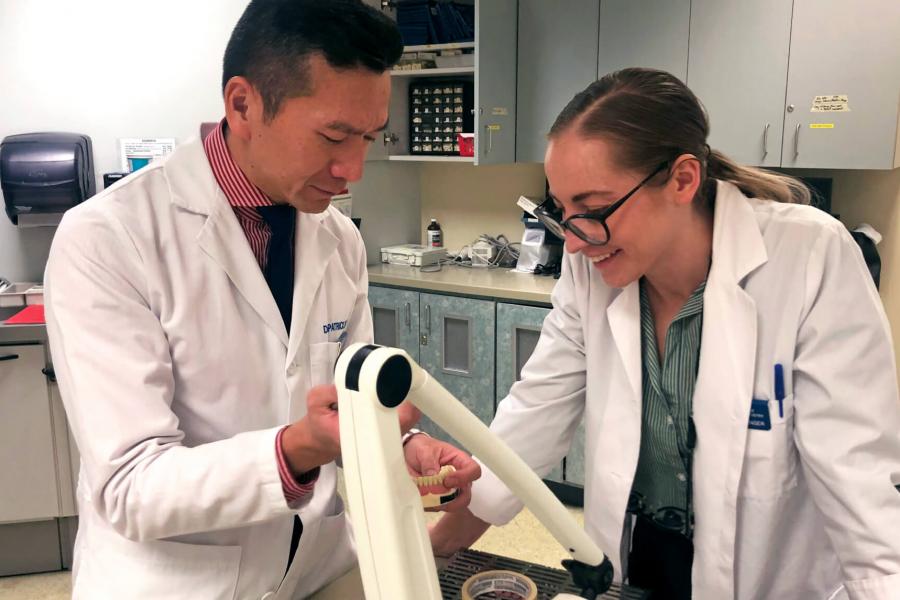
44 174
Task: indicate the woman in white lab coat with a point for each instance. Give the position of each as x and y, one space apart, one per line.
729 355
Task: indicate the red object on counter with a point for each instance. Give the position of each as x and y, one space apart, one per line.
30 315
466 144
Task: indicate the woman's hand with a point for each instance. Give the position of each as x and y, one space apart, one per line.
426 455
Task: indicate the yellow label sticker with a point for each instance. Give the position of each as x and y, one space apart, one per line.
821 125
493 128
500 111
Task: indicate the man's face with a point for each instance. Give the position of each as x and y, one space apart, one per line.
316 144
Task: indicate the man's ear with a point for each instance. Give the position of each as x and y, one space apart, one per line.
243 106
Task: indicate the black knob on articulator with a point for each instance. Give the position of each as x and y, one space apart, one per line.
394 377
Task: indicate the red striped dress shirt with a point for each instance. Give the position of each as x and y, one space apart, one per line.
244 198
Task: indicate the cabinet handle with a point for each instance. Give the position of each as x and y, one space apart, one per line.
408 316
50 374
797 141
9 357
766 140
428 318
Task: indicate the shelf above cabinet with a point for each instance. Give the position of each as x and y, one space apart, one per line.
436 47
428 158
433 72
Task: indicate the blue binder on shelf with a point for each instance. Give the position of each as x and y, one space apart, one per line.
434 22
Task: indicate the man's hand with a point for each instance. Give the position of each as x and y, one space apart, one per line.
315 439
426 455
409 415
455 532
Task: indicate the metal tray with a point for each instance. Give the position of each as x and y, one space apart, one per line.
550 582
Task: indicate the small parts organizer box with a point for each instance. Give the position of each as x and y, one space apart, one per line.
439 110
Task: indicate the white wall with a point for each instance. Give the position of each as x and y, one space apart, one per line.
468 201
107 69
387 199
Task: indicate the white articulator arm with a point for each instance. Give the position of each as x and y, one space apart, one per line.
449 413
394 551
395 557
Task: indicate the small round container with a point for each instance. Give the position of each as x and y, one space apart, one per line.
505 585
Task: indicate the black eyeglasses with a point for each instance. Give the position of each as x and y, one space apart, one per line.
590 226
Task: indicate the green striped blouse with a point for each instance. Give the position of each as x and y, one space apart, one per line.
662 484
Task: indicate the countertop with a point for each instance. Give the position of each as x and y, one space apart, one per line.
14 334
499 283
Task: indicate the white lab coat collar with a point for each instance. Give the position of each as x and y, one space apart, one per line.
194 188
624 315
192 185
728 353
738 247
313 248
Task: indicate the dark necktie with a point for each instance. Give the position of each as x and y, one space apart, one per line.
279 271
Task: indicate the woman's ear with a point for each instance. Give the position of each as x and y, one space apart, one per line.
685 178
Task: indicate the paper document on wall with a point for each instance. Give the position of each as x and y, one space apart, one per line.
139 152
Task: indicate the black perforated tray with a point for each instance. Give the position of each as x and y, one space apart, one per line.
550 582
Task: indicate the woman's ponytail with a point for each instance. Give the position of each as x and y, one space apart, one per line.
757 183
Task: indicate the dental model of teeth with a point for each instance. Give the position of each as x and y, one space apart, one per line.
435 501
436 479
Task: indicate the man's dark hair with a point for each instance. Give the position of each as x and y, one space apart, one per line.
273 39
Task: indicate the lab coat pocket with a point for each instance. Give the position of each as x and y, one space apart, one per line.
327 555
770 456
117 567
322 358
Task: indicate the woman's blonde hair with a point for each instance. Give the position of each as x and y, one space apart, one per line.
653 118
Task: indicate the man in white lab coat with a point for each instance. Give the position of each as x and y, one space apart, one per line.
193 309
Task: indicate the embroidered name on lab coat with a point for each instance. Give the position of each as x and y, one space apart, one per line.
336 326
